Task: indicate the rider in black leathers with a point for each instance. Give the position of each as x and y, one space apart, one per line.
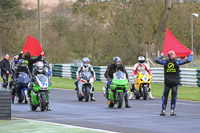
21 68
116 66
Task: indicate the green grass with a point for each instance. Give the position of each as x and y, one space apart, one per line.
27 126
186 93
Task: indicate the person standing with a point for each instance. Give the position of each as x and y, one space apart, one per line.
29 60
5 70
171 78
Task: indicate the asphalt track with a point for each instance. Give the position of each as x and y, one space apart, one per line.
142 117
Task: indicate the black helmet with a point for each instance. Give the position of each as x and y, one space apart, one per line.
141 59
22 62
117 61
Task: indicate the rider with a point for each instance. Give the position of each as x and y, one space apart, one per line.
116 66
13 67
39 69
46 65
140 67
20 68
85 67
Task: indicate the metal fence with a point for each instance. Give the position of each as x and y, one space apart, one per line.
188 77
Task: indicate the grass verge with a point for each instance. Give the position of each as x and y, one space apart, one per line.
185 93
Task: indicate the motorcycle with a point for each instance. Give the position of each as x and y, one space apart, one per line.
117 89
40 92
22 84
142 85
86 80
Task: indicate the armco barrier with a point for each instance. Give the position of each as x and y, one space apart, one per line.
188 77
5 104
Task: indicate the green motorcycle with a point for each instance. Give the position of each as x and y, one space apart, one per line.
40 93
117 89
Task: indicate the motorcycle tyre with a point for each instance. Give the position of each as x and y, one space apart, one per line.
120 99
87 94
145 91
43 102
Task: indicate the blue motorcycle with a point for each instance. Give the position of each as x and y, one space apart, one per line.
22 84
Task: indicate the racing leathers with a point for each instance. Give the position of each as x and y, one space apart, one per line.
140 67
111 69
17 72
79 85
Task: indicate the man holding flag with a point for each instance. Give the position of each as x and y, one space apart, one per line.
171 78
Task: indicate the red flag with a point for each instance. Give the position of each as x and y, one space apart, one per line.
171 43
33 46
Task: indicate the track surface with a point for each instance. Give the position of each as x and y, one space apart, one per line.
142 117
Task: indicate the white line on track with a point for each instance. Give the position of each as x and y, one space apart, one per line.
69 126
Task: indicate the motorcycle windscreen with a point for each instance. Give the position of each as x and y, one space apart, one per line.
43 79
86 75
120 75
23 78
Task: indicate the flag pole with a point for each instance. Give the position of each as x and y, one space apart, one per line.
39 29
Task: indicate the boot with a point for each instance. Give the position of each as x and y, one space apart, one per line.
48 108
150 96
76 84
92 97
163 113
105 91
172 112
13 99
126 102
131 96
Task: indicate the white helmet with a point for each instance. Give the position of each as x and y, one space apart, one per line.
141 59
39 66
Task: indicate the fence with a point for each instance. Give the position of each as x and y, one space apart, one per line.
188 77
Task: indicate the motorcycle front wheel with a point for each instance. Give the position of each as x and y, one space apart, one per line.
87 94
120 99
43 102
145 91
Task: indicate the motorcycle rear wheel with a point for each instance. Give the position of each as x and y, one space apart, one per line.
110 104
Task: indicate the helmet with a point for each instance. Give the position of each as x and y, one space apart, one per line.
16 58
39 66
117 61
22 63
86 61
141 59
43 59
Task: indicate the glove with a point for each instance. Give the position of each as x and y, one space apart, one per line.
109 79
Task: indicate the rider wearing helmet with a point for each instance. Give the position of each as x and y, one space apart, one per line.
82 68
20 68
116 66
46 65
39 69
13 66
141 66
